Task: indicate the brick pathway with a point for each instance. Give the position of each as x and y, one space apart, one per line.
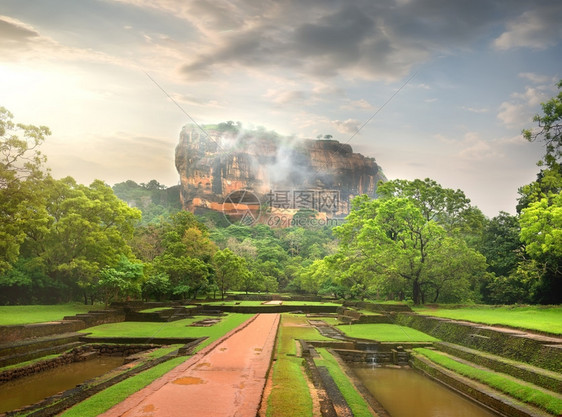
226 378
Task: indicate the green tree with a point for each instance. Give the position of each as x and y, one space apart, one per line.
121 281
541 231
393 245
230 270
157 286
83 230
540 208
549 129
21 167
445 206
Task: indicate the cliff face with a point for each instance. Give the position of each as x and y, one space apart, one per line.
213 166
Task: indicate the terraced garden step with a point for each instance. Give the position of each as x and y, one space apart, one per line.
39 353
533 374
27 345
500 391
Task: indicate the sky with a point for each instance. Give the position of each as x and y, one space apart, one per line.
429 88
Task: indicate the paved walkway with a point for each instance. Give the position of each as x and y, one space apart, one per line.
226 378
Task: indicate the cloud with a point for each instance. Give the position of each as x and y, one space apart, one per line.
472 146
349 126
475 110
368 40
522 106
536 78
538 28
14 33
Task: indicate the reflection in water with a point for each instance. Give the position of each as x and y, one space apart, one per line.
406 393
33 388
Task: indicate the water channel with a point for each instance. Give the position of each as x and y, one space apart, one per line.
33 388
406 393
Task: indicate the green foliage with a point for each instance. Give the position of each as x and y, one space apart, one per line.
84 229
21 166
389 245
121 281
156 201
523 392
541 227
449 208
230 270
540 206
157 286
549 128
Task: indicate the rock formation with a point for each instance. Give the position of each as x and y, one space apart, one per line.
284 171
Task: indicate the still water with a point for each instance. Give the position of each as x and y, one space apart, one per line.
406 393
33 388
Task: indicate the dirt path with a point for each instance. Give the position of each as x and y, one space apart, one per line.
226 378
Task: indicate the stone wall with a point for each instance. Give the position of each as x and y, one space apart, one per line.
536 350
26 331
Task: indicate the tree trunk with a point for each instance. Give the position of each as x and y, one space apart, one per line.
416 292
436 295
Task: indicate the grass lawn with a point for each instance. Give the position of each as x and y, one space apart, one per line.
519 390
545 319
155 309
354 399
177 328
290 396
385 333
250 303
41 313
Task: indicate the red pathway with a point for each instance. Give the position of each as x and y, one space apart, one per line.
226 378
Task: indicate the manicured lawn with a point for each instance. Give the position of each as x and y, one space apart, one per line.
179 328
41 313
290 396
259 303
354 399
546 319
234 303
501 382
385 333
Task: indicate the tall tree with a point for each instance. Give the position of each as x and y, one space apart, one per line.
445 206
230 270
540 206
392 244
84 229
21 167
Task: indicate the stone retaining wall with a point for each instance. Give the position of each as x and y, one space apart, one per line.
26 331
69 324
77 354
539 351
497 402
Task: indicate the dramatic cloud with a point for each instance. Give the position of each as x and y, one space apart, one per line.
537 28
14 33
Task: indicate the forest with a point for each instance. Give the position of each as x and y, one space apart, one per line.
63 241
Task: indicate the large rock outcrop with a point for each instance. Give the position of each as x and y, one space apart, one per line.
215 163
